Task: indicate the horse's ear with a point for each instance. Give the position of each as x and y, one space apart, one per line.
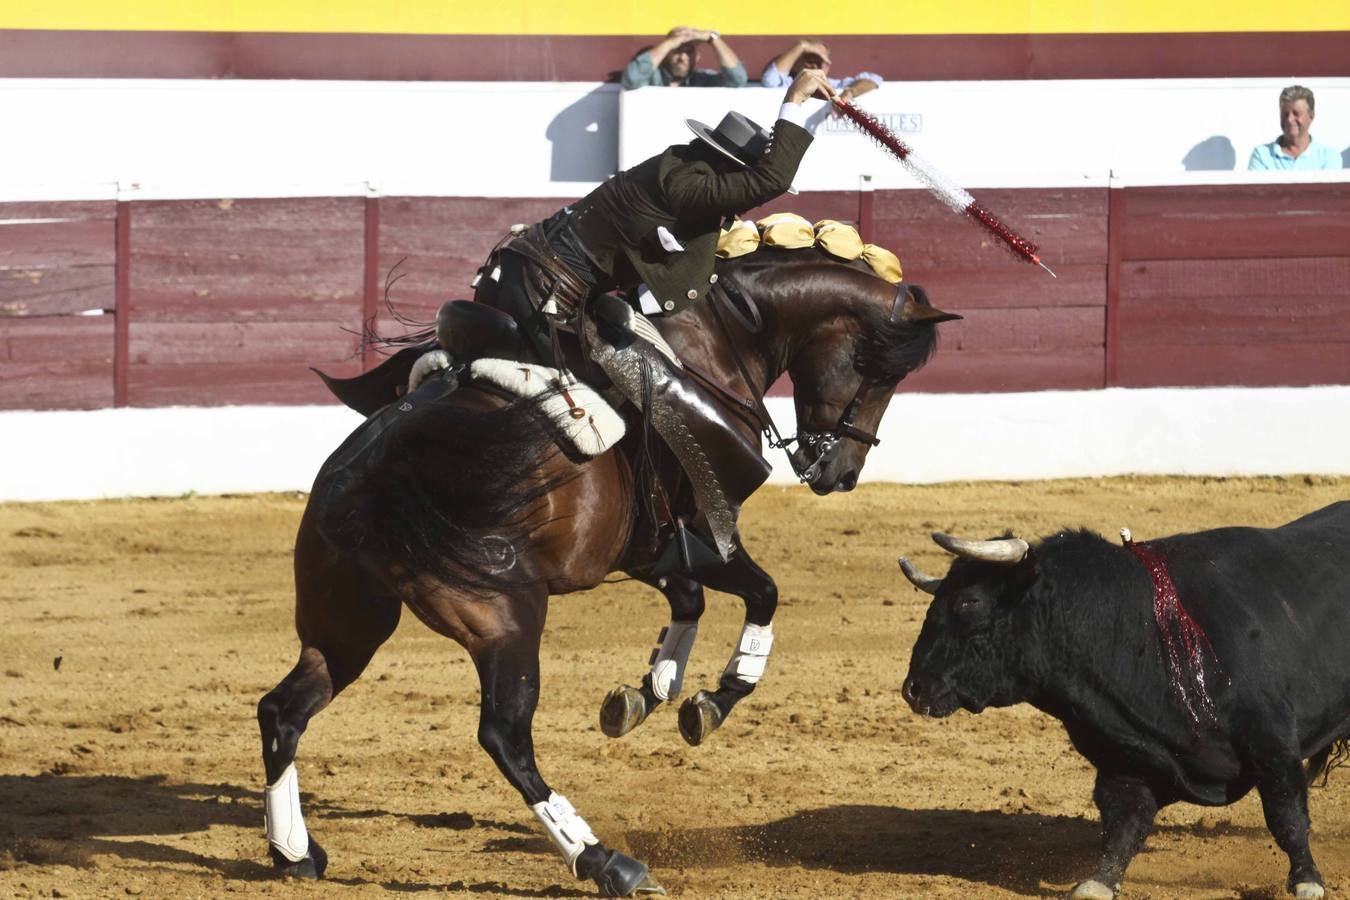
923 314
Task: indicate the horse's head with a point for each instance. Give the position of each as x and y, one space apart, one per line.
869 336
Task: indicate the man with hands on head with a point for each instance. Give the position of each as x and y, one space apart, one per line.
808 53
673 62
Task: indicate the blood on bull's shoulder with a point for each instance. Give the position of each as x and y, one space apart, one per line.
1189 668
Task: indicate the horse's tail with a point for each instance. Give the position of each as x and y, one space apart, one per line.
445 492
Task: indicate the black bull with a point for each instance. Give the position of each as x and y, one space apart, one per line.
1068 625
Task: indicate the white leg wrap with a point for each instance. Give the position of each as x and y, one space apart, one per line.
669 660
569 831
285 825
752 653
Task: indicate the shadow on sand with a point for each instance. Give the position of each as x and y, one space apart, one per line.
69 819
1016 851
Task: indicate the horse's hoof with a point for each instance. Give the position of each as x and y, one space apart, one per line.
1092 890
623 876
1309 890
623 709
311 867
699 717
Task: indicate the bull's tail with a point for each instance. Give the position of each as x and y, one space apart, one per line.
444 492
1332 757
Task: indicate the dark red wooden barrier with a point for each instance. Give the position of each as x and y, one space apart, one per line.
230 301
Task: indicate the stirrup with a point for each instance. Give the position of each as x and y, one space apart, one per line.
683 551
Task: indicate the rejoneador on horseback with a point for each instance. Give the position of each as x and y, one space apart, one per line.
651 232
493 470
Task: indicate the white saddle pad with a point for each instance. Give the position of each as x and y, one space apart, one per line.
581 414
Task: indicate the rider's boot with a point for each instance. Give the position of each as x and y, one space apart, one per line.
724 466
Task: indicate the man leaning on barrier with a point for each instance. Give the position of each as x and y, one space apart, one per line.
808 53
1295 147
674 61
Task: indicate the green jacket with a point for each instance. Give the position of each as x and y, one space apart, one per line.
689 195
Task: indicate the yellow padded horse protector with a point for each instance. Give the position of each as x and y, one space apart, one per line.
885 263
791 231
787 230
739 239
838 239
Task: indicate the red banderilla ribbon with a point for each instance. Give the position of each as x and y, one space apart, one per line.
953 196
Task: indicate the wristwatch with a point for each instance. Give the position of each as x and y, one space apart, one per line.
713 35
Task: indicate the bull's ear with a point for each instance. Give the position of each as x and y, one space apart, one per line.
1027 572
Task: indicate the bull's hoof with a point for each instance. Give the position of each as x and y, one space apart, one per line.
623 709
699 717
1092 890
1309 890
311 867
623 876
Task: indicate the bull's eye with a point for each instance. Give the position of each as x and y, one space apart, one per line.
971 608
968 603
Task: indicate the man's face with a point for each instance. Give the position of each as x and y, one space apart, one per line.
680 61
1295 119
811 61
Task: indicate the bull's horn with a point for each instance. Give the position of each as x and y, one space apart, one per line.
1005 551
926 583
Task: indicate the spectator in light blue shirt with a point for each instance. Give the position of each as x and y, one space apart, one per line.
1295 148
678 58
813 54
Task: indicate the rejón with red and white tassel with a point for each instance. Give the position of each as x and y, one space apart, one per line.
955 197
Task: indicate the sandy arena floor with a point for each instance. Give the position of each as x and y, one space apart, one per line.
139 635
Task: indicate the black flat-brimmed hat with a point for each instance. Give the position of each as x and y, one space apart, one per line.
737 137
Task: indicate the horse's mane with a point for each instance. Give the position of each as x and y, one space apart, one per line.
885 351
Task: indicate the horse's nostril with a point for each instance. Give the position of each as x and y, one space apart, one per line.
910 690
848 482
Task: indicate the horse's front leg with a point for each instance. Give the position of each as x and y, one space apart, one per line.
704 712
625 707
507 658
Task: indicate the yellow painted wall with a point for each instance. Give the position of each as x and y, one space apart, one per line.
642 17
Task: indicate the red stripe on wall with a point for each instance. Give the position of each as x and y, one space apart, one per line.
1115 230
190 54
370 306
122 314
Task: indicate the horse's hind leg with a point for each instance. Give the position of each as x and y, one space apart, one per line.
625 707
342 617
704 712
501 633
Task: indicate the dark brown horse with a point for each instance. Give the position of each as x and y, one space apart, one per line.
466 510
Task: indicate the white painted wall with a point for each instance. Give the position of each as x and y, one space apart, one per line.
180 138
924 438
1017 133
243 138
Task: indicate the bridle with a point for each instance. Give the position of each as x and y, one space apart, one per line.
821 441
